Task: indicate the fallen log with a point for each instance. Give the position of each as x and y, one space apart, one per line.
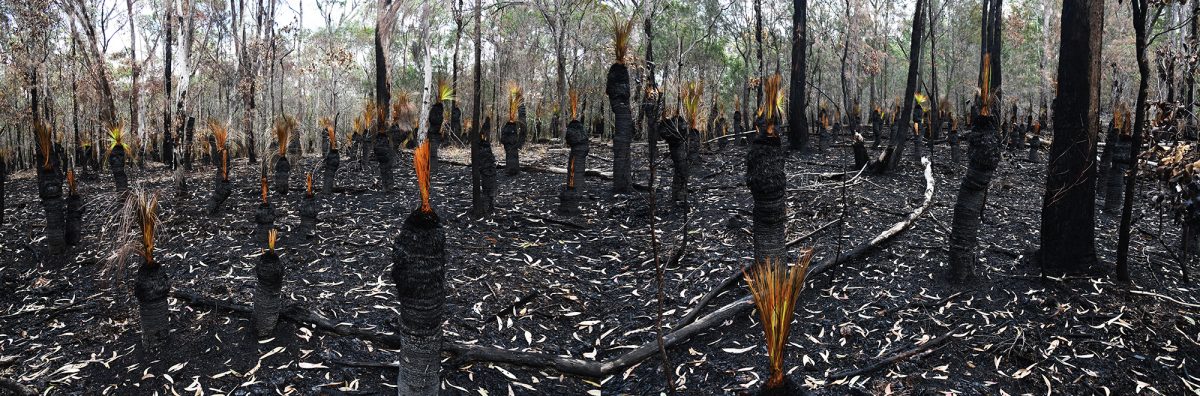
466 353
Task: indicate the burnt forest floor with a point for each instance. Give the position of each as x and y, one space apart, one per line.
528 279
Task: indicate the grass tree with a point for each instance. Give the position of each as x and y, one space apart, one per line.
577 140
74 211
775 288
118 150
151 285
50 180
617 89
332 158
1119 150
269 273
692 94
222 188
983 155
510 133
419 261
284 126
766 178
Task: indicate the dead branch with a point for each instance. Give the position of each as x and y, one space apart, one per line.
888 361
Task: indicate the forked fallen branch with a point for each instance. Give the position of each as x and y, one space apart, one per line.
942 339
466 353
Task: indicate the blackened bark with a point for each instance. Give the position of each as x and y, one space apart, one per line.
510 139
797 133
693 149
188 133
74 219
221 191
861 158
151 287
955 151
983 153
483 202
264 219
1140 8
768 186
577 141
283 170
738 124
50 191
1119 163
674 133
308 216
332 161
269 273
116 164
617 89
1068 243
419 261
384 156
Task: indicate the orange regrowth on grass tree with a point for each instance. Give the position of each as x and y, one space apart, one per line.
264 189
272 236
571 173
421 165
71 181
283 131
985 89
691 95
308 184
330 133
620 31
772 107
221 136
775 287
515 97
574 101
147 211
45 143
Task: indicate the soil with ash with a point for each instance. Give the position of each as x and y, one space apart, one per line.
527 279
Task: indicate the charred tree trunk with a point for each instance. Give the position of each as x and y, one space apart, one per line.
189 133
151 288
1068 242
577 140
1140 8
267 301
50 191
116 164
332 161
617 89
222 188
383 155
768 187
74 219
1119 163
861 157
3 178
283 170
895 149
168 139
510 138
797 132
419 261
983 153
675 134
483 198
308 216
264 219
